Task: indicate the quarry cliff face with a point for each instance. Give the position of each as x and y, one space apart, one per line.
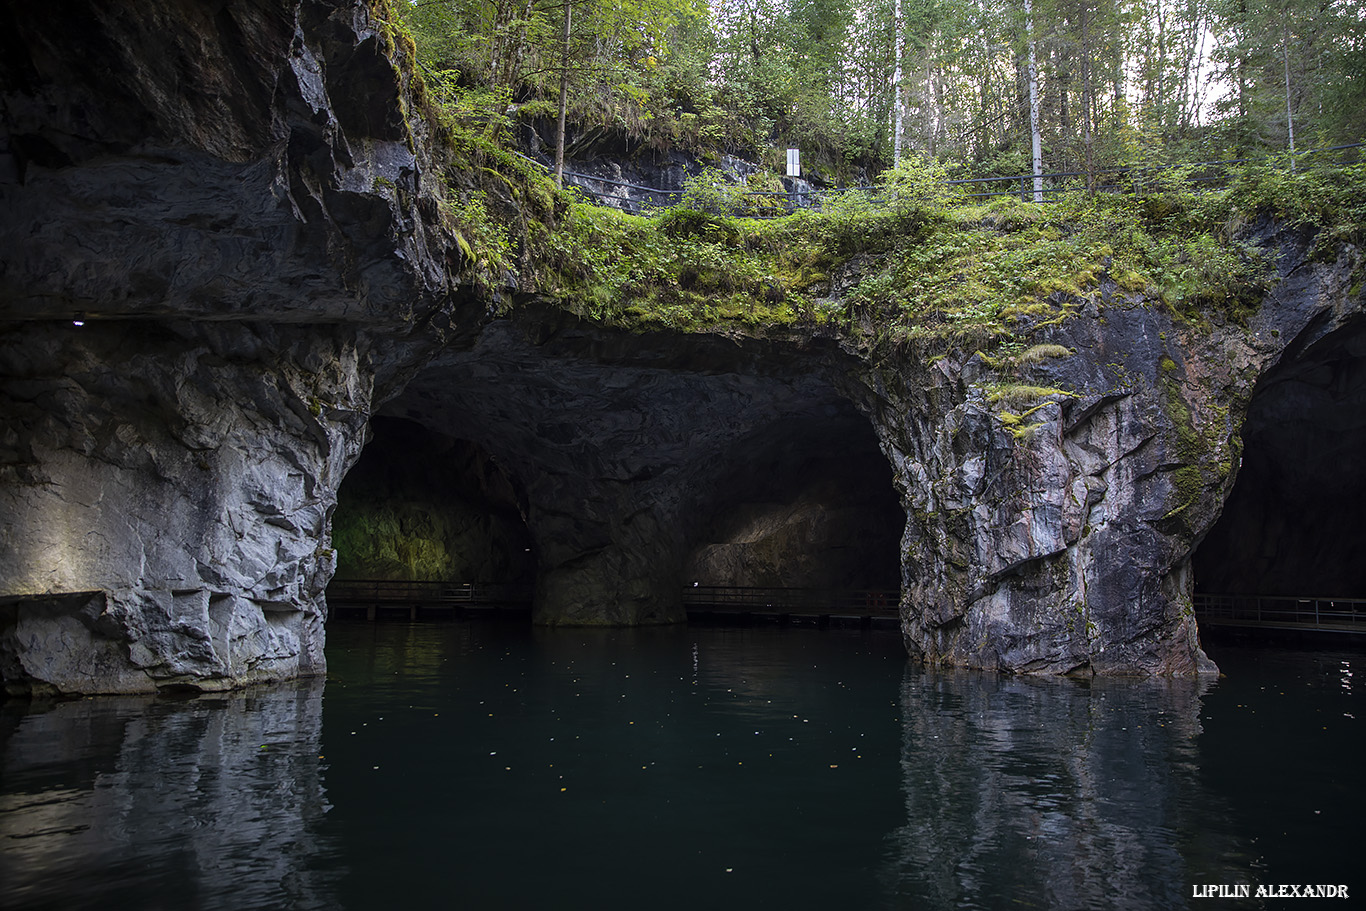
221 254
214 258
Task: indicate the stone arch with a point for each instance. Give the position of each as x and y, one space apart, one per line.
1292 522
624 444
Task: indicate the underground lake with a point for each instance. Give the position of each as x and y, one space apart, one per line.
483 764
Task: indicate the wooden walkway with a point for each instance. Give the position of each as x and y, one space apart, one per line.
390 599
1278 612
861 608
385 599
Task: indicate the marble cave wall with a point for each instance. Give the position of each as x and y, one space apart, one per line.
214 255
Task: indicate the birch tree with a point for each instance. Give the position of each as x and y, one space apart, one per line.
1032 75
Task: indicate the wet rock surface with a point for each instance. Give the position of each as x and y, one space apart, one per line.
816 512
186 485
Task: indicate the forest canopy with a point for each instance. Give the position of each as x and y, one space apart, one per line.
856 84
912 254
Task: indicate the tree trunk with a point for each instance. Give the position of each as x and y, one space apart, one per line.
930 111
505 56
564 95
1066 143
1035 137
1242 62
896 86
1289 114
1088 103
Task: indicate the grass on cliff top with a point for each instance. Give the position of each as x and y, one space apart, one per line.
913 261
908 263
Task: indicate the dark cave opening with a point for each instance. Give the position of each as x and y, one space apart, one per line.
422 506
649 465
1293 523
808 502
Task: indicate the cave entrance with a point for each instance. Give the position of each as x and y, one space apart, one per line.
807 503
1288 546
424 508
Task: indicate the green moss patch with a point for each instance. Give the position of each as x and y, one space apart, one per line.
912 261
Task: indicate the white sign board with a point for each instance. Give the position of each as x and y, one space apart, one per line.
794 163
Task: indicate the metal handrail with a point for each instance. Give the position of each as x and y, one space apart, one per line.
864 602
1327 612
825 601
418 590
1138 173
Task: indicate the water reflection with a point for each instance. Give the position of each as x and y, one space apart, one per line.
1053 793
680 769
152 803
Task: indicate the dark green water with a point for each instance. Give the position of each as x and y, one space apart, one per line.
485 767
